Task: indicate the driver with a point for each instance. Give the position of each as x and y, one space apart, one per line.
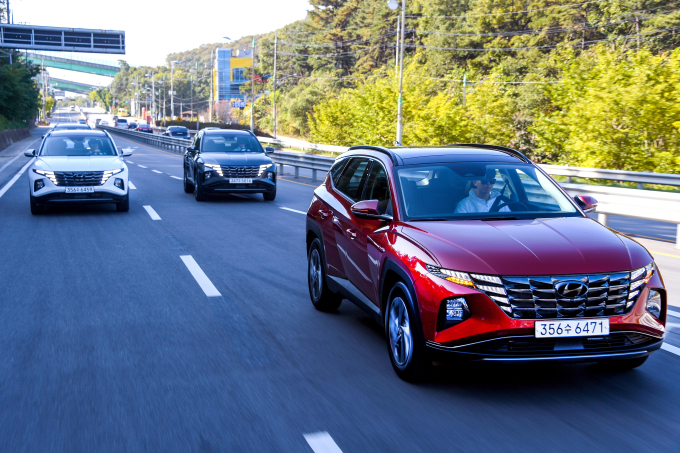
482 196
241 144
95 148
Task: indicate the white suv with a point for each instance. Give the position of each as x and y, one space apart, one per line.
78 166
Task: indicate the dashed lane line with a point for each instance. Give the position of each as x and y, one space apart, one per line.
156 171
141 166
129 162
670 348
15 178
152 213
176 177
322 442
198 274
673 313
293 210
132 186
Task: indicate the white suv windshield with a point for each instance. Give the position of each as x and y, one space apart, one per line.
77 145
480 190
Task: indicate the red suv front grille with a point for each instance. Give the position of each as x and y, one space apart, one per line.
539 297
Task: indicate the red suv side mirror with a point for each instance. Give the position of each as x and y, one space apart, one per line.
586 203
368 209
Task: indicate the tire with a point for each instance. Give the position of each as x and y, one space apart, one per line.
188 187
405 343
124 206
622 365
269 196
322 297
198 191
35 207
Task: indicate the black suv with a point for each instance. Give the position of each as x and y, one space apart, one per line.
228 161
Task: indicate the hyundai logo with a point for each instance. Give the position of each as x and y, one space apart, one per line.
571 290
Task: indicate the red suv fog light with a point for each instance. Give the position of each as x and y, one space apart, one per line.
453 311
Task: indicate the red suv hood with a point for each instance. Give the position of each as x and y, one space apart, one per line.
567 245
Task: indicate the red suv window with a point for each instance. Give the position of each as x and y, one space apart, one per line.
350 181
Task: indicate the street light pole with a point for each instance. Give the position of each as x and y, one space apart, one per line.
252 89
400 117
274 95
172 89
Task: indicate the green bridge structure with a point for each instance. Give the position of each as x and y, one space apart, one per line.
74 87
88 67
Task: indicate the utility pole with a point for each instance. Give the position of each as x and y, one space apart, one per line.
191 90
197 103
252 90
172 90
44 94
212 76
274 97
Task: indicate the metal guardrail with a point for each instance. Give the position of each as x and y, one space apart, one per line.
635 203
173 144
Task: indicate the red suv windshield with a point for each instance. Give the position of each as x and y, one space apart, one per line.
479 190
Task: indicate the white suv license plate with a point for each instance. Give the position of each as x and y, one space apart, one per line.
580 328
80 190
240 180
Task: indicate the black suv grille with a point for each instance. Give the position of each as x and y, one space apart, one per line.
249 171
79 178
530 345
564 296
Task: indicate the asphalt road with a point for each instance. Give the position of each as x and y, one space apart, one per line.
109 343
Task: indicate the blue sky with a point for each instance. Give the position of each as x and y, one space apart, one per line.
154 29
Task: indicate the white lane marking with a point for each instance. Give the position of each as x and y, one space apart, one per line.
673 313
10 161
156 171
15 178
293 210
176 177
202 279
322 442
672 325
141 166
152 213
130 162
670 348
132 186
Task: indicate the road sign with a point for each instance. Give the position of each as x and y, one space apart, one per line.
238 105
149 99
59 93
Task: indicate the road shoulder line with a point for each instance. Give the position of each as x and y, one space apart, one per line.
15 178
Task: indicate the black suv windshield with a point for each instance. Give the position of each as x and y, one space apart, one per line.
480 190
78 145
70 127
230 143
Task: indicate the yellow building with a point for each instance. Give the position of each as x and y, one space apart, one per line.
230 72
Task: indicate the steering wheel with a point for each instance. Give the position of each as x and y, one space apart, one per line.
503 201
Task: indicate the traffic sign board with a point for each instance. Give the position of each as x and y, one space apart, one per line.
238 105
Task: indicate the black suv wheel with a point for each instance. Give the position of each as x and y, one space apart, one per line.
188 187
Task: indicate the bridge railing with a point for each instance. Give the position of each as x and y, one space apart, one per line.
634 203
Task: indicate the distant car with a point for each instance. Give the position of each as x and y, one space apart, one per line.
103 123
82 121
72 108
78 167
211 129
71 127
121 122
228 161
132 125
144 128
177 131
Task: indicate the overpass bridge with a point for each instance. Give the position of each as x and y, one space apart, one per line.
80 65
74 87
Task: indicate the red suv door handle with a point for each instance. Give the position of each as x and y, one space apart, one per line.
323 213
351 233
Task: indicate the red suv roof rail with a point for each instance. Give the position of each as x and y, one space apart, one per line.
505 149
387 151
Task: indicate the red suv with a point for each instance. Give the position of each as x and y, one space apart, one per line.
473 252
